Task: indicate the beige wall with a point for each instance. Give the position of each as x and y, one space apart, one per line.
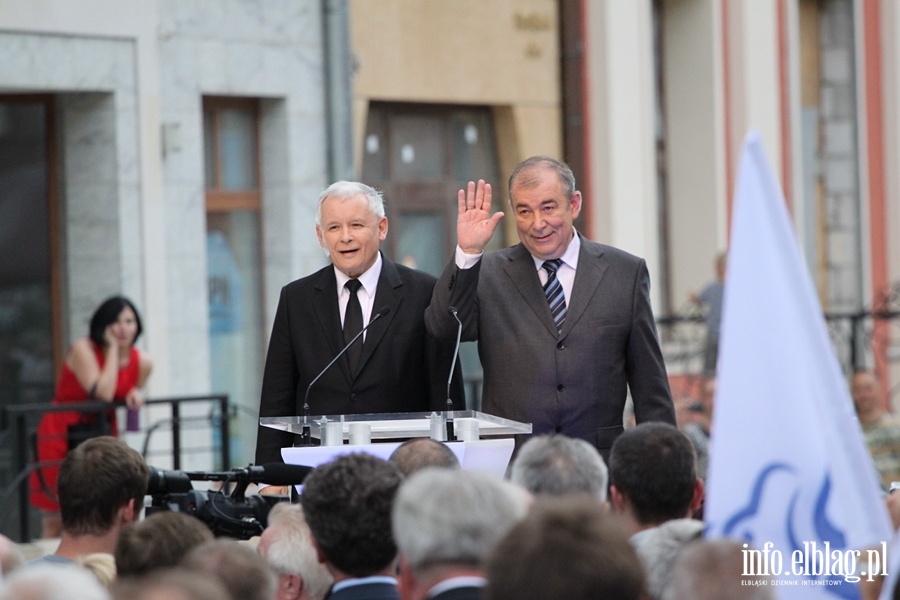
499 53
754 77
694 143
620 106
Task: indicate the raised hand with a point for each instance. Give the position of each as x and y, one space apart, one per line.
475 224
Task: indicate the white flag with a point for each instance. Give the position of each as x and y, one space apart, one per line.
789 472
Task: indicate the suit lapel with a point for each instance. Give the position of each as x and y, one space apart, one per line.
388 293
328 316
591 268
524 278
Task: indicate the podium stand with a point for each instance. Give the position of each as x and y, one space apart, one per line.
474 453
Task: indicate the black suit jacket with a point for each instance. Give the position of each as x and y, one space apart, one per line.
367 591
403 368
467 592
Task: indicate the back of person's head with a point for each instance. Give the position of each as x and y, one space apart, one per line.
245 574
566 548
659 547
53 582
456 517
97 479
286 544
102 565
712 569
557 465
347 503
176 583
161 540
653 466
418 453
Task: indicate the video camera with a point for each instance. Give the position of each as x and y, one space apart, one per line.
235 515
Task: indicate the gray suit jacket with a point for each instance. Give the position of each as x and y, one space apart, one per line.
574 382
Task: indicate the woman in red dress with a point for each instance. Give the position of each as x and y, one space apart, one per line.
103 366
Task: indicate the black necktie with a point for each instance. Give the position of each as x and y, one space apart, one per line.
353 323
554 292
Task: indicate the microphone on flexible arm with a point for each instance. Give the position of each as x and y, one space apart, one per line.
449 407
305 436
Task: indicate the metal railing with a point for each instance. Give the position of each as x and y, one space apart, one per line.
19 427
861 339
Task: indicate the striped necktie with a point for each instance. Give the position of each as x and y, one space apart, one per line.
554 292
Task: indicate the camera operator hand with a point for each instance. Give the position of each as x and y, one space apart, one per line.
280 490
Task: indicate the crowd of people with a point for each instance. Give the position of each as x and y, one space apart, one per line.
563 524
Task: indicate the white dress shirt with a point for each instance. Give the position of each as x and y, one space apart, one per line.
366 293
565 273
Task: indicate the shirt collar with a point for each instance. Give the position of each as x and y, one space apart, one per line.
569 257
369 279
456 582
363 581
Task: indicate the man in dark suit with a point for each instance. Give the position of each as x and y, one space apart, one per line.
395 367
347 503
564 325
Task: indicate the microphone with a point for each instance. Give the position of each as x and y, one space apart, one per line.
305 435
449 408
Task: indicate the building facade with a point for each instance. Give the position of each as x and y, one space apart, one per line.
172 151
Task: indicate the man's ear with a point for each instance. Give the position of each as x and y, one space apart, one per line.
128 514
290 585
320 237
617 499
699 493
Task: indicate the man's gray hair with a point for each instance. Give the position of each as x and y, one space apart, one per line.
525 174
557 465
292 552
347 189
444 516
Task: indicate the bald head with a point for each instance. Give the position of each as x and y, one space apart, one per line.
418 453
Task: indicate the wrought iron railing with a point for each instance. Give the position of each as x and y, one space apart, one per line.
18 426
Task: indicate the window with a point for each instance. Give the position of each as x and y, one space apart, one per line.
234 260
29 336
419 156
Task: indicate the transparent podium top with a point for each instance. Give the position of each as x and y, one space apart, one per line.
397 425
